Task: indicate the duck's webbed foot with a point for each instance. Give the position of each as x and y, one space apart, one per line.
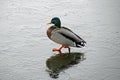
59 49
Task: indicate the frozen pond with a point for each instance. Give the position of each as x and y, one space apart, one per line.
25 50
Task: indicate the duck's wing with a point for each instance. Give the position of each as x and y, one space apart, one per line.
65 36
73 35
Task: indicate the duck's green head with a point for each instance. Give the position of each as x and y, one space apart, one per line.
56 21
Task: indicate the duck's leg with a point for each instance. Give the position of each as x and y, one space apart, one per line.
68 48
59 49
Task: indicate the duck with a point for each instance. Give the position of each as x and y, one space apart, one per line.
63 36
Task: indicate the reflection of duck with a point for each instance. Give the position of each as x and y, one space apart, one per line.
63 35
57 63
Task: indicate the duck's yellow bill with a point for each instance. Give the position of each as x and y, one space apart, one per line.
49 23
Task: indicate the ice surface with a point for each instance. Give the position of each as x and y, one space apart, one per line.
24 46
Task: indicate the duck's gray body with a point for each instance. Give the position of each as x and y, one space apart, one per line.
65 36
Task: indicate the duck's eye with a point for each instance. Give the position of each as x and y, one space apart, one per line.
53 21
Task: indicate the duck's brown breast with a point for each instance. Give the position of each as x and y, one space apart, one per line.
50 30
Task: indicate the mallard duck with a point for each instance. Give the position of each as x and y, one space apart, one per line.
64 36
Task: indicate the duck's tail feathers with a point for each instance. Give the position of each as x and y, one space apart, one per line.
80 44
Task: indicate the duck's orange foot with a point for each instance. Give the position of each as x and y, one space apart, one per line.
57 49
